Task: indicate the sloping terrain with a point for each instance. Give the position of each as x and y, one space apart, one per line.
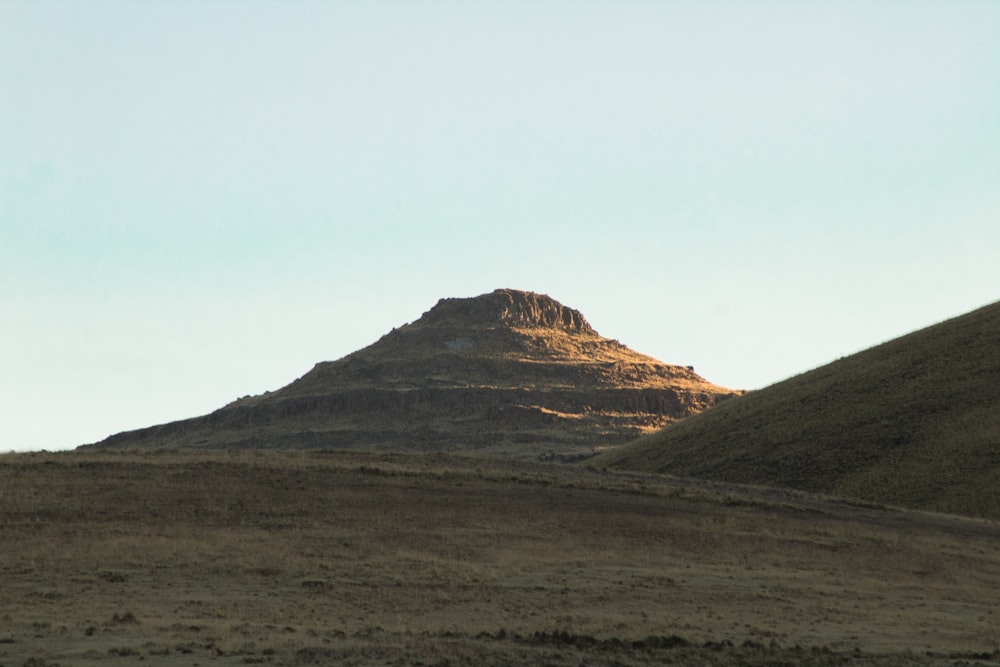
340 558
914 422
512 373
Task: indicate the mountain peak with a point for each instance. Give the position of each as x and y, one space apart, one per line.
509 372
508 308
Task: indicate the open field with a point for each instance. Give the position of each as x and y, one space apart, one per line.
291 558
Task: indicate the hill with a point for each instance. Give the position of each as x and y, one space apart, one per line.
914 421
509 372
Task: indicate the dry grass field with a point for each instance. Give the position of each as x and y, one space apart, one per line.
292 558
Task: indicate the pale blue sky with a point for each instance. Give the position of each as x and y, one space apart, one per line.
200 200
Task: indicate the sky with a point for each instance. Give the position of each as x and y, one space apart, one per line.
201 200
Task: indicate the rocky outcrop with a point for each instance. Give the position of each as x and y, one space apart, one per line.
510 372
508 307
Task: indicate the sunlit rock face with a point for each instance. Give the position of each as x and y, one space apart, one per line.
510 373
507 307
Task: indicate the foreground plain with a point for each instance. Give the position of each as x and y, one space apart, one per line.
291 558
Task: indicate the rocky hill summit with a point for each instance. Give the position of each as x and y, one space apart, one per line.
510 372
509 308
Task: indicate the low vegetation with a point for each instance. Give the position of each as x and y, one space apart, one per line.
319 558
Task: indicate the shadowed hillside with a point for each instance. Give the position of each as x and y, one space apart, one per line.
510 372
915 421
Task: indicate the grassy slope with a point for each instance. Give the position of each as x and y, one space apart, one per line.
915 421
292 558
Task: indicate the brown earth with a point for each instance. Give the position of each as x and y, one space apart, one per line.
304 558
512 373
914 421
